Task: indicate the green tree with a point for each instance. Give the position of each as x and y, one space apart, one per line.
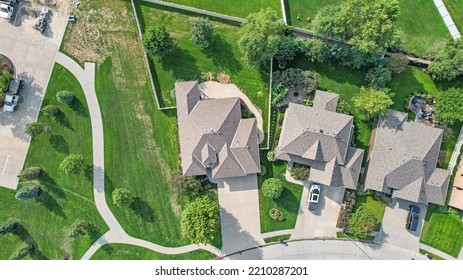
449 107
122 197
260 37
369 26
343 107
9 226
186 185
34 129
272 188
362 222
315 50
157 41
449 61
378 77
50 111
288 47
271 156
31 173
200 220
65 97
279 92
72 164
27 192
201 32
372 103
22 251
397 62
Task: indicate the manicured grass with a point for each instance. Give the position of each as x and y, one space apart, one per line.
443 231
433 256
419 20
374 204
141 142
455 8
238 8
187 61
130 252
65 199
288 203
342 235
277 238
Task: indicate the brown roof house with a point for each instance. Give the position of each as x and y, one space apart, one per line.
319 137
213 136
403 160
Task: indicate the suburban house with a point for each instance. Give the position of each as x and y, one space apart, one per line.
214 138
319 137
403 160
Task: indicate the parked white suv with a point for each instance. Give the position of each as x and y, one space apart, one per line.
11 103
314 196
12 95
6 11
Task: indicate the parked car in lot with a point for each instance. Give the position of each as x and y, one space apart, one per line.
413 217
9 2
314 196
6 11
12 94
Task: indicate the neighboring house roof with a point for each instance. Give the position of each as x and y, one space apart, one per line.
213 136
320 138
404 158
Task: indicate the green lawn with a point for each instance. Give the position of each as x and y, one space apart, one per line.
130 252
238 8
188 61
141 142
342 235
419 20
374 204
65 200
455 8
434 256
288 203
443 231
277 238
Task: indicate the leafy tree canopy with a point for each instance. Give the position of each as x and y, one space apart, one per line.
157 41
372 103
200 220
449 61
449 107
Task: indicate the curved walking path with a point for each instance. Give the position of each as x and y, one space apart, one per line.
116 233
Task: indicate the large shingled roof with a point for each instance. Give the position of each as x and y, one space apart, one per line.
403 160
213 136
320 138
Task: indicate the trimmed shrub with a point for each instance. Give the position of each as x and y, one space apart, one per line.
72 164
31 173
263 170
122 197
397 62
307 101
271 156
186 185
362 222
9 226
343 107
27 192
65 97
201 32
276 214
79 228
50 111
300 172
23 250
157 40
34 129
272 188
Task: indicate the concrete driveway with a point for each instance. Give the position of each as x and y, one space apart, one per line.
33 56
239 213
393 229
322 221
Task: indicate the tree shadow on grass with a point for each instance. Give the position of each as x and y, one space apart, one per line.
59 143
181 63
79 107
222 56
142 209
50 203
88 172
64 121
25 236
51 186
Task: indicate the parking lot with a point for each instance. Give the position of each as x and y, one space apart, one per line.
322 221
393 230
33 55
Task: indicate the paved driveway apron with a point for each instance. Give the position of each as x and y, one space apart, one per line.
33 55
322 221
393 229
239 213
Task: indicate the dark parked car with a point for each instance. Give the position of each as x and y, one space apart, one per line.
413 217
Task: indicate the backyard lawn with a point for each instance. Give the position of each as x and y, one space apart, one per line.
374 204
288 203
237 8
47 220
419 20
130 252
443 231
188 61
455 8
